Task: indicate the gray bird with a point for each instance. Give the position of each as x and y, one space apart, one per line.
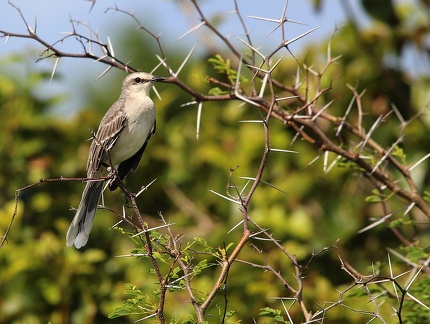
120 140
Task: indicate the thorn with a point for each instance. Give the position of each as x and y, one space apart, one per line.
372 129
153 229
144 188
163 62
419 162
252 121
188 103
252 48
264 182
386 154
235 226
314 160
110 47
104 72
197 27
398 114
185 60
296 136
322 110
225 197
281 150
199 115
286 43
116 224
263 85
264 19
380 221
332 164
286 98
325 161
156 67
100 58
54 69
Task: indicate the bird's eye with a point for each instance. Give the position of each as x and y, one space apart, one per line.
138 80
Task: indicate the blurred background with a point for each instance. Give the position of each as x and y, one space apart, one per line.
45 126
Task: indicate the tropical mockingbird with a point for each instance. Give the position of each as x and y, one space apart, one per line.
120 140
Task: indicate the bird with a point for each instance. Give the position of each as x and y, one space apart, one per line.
119 143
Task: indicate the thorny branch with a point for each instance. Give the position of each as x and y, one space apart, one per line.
142 229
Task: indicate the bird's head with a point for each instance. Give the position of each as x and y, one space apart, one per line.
139 82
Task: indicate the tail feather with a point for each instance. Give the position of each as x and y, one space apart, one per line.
80 228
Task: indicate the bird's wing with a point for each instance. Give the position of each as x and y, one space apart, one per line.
138 155
108 133
131 164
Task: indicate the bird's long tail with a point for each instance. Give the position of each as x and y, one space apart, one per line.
80 228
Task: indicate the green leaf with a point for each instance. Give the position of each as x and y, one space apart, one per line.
378 196
398 152
222 66
427 196
273 313
216 91
401 221
135 304
373 198
416 253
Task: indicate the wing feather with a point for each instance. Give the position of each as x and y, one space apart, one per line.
108 133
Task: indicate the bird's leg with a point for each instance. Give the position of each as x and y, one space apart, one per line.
127 202
113 174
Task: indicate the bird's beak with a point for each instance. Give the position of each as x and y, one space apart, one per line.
157 79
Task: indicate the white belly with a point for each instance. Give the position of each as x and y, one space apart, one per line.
134 134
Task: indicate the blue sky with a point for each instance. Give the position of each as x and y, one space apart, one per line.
53 16
165 17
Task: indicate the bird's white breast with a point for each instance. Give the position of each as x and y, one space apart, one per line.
140 115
